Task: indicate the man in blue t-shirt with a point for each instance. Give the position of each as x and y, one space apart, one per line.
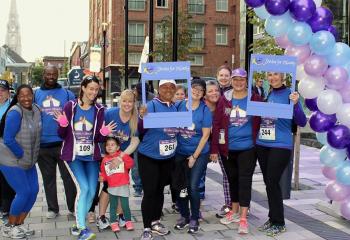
6 192
52 97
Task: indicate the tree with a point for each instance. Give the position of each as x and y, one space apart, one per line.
37 73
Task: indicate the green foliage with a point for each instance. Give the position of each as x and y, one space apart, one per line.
37 73
264 44
65 69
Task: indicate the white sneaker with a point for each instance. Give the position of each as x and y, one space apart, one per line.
230 218
13 232
102 223
183 193
51 215
27 231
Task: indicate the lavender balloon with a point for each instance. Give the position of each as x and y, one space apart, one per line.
336 77
345 209
320 122
329 172
337 192
311 104
283 41
321 20
345 92
301 52
302 10
254 3
348 151
338 137
333 29
315 65
277 7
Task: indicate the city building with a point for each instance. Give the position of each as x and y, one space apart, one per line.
13 34
215 25
59 62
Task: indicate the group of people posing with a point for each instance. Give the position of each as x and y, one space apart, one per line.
93 144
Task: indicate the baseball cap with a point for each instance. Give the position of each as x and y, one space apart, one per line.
164 81
239 72
4 84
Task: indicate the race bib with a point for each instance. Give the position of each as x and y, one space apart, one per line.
110 171
267 134
83 149
167 147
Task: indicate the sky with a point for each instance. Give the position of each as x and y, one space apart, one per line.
46 25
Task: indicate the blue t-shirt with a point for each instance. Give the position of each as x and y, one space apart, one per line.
159 143
240 127
49 101
3 108
189 137
83 132
276 132
122 130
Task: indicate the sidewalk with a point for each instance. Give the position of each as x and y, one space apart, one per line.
304 221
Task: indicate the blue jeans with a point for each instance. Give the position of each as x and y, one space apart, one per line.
86 177
25 183
194 175
135 175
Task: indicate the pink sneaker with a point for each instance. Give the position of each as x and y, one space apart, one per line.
115 227
243 226
129 226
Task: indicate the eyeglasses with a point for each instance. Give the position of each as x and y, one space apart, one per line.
198 89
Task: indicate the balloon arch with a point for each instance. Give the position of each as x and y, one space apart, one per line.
304 29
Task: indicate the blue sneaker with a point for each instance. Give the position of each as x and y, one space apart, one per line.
86 234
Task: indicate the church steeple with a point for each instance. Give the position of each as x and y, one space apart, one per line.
13 35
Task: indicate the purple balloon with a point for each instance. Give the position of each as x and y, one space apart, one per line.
336 77
336 191
348 151
333 29
320 122
345 209
311 104
345 92
301 52
338 136
302 10
283 41
254 3
321 20
315 65
329 172
277 7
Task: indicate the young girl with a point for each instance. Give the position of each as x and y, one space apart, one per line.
115 168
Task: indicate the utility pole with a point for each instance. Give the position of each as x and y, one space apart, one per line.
175 30
150 30
248 40
126 46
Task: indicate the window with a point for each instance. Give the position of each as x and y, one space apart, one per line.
221 35
221 5
137 5
134 58
196 60
196 6
162 3
136 33
197 36
161 33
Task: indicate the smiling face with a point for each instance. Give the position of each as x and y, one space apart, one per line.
275 79
127 102
167 92
180 94
239 84
50 76
197 92
90 91
224 77
25 98
213 94
4 95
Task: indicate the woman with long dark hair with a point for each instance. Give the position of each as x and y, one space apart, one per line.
20 131
82 128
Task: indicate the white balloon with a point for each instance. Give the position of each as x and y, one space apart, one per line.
311 87
343 114
301 74
329 101
318 3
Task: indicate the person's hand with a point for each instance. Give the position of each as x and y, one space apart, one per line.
100 178
61 118
115 162
143 111
214 157
107 129
191 161
294 97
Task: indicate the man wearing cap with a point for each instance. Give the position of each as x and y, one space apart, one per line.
51 97
6 192
155 158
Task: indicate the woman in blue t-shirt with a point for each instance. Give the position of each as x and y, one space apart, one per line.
192 153
233 132
274 149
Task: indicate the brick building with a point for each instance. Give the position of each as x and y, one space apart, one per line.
215 23
59 62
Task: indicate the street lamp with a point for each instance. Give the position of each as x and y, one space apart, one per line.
104 40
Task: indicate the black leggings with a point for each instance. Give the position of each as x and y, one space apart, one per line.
155 175
6 194
239 167
96 199
273 162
